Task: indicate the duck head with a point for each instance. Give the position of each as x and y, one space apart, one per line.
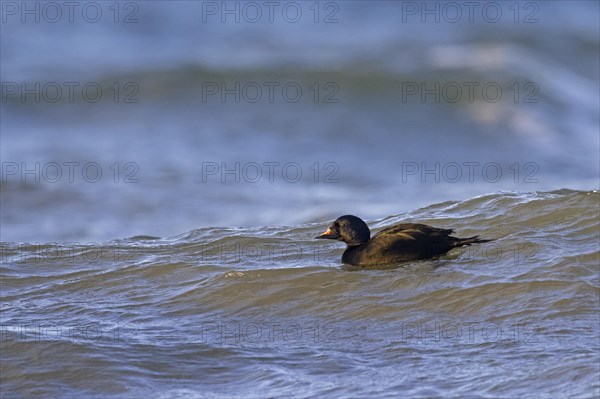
350 229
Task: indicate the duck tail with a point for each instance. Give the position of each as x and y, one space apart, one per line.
459 242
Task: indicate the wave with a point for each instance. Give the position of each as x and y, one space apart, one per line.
221 294
548 230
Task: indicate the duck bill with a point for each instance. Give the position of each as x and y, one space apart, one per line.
326 234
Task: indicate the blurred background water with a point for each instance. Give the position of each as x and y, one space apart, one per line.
241 126
164 112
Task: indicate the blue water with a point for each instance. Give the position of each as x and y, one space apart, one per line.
199 124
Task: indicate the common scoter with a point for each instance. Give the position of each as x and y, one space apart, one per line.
397 243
